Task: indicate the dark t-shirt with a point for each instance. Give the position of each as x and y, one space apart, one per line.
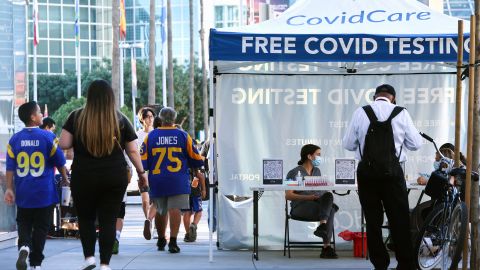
84 160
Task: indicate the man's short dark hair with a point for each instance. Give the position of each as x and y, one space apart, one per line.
47 123
385 88
26 110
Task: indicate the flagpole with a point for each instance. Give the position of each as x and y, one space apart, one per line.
35 72
77 50
35 43
164 57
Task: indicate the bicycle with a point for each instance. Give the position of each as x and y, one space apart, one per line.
443 232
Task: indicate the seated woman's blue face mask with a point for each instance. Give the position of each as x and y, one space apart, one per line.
316 162
436 165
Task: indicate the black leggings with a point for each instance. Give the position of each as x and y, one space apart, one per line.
98 194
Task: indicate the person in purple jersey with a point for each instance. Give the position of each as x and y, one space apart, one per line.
32 155
168 153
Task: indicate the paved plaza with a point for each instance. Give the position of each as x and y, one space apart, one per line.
138 253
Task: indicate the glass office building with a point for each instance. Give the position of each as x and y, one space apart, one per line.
56 50
459 8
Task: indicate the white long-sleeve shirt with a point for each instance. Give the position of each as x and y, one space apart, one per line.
404 132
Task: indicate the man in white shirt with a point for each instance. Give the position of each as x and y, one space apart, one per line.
384 190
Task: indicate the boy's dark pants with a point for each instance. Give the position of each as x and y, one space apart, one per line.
33 225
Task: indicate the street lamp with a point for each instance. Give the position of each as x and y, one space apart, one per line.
134 73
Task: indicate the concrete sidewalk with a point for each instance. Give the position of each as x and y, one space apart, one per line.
138 253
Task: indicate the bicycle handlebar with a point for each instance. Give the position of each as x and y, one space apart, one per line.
426 137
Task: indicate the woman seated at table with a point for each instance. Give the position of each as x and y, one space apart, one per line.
448 151
313 205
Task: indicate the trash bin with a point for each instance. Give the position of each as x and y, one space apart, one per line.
357 244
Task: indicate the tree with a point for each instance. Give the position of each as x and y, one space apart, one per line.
54 90
61 115
170 99
151 55
204 71
116 50
191 79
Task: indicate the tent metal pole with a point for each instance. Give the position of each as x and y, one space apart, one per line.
458 106
212 168
468 180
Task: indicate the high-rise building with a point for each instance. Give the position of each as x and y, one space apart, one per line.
459 8
56 50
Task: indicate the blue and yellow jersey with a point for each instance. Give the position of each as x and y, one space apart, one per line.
167 153
32 155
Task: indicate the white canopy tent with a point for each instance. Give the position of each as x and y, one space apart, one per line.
298 78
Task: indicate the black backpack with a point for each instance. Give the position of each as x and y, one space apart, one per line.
379 148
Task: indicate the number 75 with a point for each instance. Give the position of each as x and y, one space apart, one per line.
161 151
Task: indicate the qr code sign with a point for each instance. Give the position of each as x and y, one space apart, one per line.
272 169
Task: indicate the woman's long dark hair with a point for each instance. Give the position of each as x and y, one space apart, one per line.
307 149
97 125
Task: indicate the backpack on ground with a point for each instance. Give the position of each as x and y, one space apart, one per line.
379 147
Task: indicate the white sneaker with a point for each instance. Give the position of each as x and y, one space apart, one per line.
105 267
22 258
88 264
36 268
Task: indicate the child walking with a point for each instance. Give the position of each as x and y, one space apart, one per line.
32 155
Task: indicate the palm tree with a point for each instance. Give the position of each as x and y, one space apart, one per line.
171 102
116 51
151 55
191 101
204 71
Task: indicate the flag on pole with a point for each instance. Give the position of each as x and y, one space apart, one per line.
45 111
163 24
35 23
123 21
77 26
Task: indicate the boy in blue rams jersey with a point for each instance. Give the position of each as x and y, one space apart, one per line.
168 153
32 155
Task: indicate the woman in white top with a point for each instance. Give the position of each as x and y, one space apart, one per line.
146 116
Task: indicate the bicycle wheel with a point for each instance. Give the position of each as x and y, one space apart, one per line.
429 243
456 236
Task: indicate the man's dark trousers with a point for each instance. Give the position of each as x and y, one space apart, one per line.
390 193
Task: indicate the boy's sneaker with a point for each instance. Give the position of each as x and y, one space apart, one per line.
328 253
321 231
105 267
192 232
36 268
161 243
187 238
88 264
147 231
22 258
172 246
116 244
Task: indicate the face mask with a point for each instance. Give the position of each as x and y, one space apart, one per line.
316 162
436 165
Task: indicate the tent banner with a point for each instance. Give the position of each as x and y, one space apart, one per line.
334 47
271 117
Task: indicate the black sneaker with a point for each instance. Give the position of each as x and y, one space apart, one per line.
187 238
22 258
321 231
172 246
161 243
116 245
328 253
147 231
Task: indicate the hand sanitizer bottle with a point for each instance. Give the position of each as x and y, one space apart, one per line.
299 178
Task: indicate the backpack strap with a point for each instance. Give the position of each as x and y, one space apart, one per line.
370 113
395 112
372 117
